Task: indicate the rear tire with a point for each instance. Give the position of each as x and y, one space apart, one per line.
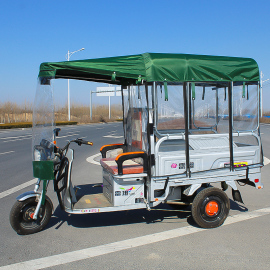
22 212
210 207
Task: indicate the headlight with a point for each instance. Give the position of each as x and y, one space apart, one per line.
37 155
41 153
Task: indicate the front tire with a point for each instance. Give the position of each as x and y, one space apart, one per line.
22 212
210 207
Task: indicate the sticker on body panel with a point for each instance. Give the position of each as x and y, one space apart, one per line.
237 164
126 192
117 193
92 210
139 200
129 189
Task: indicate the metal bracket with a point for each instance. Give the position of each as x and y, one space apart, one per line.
191 189
232 185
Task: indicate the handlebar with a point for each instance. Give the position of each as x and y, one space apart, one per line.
80 142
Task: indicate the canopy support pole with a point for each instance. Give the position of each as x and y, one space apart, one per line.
187 121
68 102
189 105
230 89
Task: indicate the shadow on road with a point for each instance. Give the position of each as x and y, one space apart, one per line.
162 213
237 206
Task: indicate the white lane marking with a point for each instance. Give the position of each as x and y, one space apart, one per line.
266 161
13 140
13 130
16 137
112 136
70 135
7 152
91 159
17 188
71 132
92 252
20 138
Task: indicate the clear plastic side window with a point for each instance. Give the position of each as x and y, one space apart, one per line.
136 117
245 124
245 107
204 102
170 109
223 110
209 107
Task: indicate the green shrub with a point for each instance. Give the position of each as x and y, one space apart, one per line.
16 125
29 124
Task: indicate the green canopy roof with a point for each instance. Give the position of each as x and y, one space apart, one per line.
155 67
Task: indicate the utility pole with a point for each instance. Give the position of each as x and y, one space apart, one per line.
261 83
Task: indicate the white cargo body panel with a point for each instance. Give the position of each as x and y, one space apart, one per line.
126 190
206 153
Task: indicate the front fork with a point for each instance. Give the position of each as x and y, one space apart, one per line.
42 196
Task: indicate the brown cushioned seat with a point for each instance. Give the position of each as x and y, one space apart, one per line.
129 166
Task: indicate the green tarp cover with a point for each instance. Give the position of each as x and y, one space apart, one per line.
155 67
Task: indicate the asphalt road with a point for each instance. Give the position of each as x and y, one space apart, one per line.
135 239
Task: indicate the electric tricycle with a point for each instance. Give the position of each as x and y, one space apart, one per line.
191 131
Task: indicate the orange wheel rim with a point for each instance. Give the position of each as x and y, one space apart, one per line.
211 208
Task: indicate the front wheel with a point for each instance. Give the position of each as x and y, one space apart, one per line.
210 207
21 216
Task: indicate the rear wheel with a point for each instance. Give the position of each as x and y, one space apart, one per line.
210 207
21 216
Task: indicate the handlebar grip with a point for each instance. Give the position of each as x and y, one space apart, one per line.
89 143
80 142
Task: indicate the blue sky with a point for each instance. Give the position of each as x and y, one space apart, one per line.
40 31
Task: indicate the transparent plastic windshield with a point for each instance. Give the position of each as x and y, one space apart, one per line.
43 122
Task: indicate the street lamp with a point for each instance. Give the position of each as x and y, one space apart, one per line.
67 57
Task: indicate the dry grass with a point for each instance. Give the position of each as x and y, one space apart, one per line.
11 112
265 120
